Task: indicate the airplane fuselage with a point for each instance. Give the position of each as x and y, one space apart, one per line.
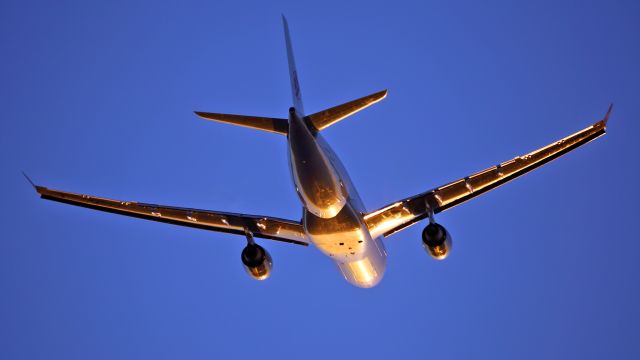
333 211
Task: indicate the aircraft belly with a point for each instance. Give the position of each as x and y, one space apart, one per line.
346 240
368 271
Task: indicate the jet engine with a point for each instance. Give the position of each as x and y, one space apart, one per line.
256 261
436 241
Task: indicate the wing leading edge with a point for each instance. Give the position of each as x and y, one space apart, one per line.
260 226
399 215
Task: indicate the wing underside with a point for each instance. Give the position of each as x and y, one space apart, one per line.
260 226
406 212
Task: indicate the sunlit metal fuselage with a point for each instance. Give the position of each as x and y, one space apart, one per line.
333 211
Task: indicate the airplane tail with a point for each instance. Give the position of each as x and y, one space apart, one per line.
320 120
293 73
328 117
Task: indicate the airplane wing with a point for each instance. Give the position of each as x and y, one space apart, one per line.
261 226
399 215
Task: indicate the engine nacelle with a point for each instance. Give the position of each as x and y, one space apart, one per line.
256 261
436 241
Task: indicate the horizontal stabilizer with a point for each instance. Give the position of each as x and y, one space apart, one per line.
325 118
275 125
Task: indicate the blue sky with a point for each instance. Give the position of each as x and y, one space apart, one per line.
98 97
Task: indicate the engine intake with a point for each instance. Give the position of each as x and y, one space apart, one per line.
257 261
436 241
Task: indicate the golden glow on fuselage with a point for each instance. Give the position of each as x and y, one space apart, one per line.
364 271
317 183
333 218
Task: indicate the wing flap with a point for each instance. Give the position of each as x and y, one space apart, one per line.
399 215
261 226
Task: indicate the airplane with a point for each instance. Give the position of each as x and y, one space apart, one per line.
334 218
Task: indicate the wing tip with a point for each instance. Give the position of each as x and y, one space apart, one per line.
605 120
285 25
37 188
29 179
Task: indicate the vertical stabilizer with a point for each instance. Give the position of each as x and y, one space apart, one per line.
293 74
